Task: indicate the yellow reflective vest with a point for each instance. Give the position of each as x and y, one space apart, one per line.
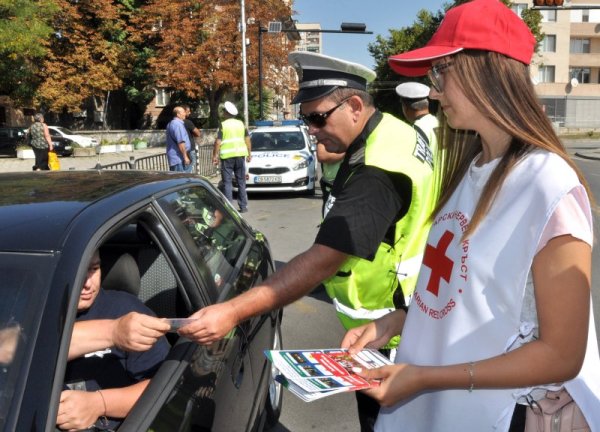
233 141
363 290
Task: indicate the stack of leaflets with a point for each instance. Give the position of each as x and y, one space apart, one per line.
315 374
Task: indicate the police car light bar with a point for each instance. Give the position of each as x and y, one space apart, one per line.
278 123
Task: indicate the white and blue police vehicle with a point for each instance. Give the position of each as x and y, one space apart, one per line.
283 158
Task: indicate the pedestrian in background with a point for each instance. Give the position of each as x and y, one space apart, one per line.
178 142
375 218
502 310
193 133
415 107
233 149
40 141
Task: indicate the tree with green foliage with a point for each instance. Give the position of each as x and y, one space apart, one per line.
416 36
24 30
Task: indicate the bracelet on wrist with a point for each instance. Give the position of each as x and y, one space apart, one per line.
471 372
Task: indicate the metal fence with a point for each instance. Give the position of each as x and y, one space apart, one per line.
159 162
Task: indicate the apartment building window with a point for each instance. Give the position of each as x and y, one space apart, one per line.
548 15
549 43
518 8
582 74
546 74
585 15
163 97
580 46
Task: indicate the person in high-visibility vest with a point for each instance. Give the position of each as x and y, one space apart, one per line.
233 149
415 107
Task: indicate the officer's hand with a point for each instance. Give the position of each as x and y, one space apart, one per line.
212 324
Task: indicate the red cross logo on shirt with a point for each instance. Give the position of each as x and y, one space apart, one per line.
441 266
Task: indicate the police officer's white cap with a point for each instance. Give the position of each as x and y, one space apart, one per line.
320 75
230 108
412 90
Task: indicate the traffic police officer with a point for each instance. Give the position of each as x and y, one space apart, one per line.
376 216
415 107
233 148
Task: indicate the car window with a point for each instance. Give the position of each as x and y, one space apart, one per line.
22 292
64 130
218 238
277 141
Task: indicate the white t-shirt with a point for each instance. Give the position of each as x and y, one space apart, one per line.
469 298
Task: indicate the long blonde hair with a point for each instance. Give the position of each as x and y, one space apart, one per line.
501 89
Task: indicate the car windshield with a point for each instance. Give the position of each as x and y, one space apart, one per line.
277 141
21 290
64 130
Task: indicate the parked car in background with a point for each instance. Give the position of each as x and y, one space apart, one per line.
67 134
62 146
174 242
283 158
10 139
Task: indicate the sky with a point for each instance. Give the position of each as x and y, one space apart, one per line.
378 15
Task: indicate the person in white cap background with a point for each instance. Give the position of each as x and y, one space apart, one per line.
415 107
502 311
233 148
370 242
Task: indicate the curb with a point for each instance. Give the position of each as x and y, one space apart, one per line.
589 156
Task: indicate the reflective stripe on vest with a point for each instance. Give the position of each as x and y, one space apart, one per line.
361 313
233 141
362 289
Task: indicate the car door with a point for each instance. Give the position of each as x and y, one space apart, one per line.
214 387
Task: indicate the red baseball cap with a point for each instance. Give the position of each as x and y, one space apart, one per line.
486 25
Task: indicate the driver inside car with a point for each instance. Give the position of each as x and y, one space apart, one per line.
116 347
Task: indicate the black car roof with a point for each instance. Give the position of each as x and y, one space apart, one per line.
36 209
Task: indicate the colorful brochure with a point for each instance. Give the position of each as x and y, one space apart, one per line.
314 374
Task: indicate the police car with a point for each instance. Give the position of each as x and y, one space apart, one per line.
283 158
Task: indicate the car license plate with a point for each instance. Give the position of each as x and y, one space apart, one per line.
267 179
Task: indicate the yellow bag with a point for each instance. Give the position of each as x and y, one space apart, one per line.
53 162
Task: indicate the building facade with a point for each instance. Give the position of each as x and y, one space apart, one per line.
566 68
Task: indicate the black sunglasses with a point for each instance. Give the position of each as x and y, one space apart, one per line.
317 119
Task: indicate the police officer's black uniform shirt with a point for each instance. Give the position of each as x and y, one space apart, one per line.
368 202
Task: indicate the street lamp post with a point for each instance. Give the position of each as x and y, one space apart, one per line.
244 68
348 28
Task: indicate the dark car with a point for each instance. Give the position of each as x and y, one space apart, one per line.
10 139
171 239
62 147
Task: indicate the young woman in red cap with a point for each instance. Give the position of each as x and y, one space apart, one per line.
502 310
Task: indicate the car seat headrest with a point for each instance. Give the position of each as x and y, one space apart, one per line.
120 272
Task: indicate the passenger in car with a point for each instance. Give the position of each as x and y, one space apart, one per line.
116 347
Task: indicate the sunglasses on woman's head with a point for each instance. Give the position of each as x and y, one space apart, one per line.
318 119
